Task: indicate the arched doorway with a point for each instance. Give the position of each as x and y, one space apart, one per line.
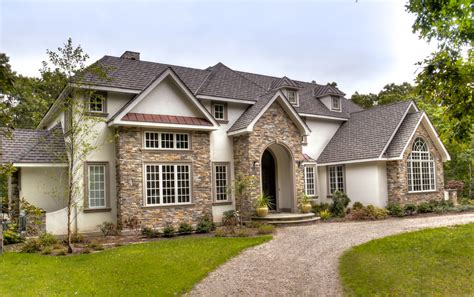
277 177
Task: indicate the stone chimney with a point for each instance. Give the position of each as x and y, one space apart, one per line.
131 55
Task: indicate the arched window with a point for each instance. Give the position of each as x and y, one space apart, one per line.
421 171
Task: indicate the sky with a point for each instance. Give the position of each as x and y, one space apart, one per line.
361 45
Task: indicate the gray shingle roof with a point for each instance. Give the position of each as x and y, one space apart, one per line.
219 81
249 115
33 146
327 90
365 134
403 134
285 82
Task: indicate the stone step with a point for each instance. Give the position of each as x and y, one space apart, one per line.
285 217
293 222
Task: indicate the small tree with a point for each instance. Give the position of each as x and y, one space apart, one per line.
81 133
240 187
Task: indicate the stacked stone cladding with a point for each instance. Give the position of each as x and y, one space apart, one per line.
397 175
274 126
131 159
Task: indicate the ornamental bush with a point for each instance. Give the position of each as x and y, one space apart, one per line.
168 231
395 209
185 228
340 202
205 225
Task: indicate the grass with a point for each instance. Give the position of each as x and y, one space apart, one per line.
163 268
437 262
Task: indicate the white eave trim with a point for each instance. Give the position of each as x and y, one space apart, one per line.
40 165
398 127
104 88
163 125
168 72
223 99
352 161
322 117
238 132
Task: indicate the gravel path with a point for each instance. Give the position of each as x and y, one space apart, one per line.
303 260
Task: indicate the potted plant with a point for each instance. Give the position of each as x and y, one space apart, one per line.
305 203
262 204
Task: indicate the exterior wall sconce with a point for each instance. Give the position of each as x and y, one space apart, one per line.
299 163
256 165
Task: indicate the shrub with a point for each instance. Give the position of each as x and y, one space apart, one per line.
62 252
455 184
409 209
340 202
357 205
47 250
168 231
395 209
230 218
109 229
150 232
47 239
220 233
11 236
205 225
78 238
266 229
96 246
86 251
424 207
325 214
253 224
243 232
317 208
132 223
440 209
369 213
31 245
185 228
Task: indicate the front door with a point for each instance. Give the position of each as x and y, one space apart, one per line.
269 178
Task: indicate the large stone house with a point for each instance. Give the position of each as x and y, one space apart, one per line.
183 135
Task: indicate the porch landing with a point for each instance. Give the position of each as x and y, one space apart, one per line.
286 218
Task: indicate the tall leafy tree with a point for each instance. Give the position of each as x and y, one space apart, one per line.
389 94
446 77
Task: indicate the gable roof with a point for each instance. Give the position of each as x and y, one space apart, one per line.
33 146
326 91
248 119
366 135
118 118
218 81
403 135
285 82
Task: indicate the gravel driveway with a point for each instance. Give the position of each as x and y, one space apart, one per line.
303 260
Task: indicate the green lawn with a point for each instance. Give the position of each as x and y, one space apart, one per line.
163 268
437 262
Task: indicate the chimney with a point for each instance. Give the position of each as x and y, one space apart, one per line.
131 55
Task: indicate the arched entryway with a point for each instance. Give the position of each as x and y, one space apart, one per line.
277 177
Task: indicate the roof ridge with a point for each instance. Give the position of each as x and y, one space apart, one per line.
207 79
383 106
242 76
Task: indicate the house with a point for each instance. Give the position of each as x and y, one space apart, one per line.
182 135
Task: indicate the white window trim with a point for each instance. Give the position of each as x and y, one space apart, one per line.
314 181
420 161
223 111
214 184
88 165
145 185
103 99
338 100
159 148
343 179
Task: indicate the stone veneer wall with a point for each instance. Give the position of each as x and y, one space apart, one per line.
274 126
397 175
131 158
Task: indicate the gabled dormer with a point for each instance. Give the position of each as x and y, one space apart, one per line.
289 88
330 96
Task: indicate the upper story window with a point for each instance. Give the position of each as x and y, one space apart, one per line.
166 141
293 97
218 111
335 103
420 167
97 102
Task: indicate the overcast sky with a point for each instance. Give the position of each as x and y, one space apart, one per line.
360 45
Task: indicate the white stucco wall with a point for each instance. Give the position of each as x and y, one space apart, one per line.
365 182
44 187
322 130
167 99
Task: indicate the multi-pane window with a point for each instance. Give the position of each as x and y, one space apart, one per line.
167 184
219 111
167 141
420 167
221 180
97 102
336 103
96 185
292 97
336 178
310 181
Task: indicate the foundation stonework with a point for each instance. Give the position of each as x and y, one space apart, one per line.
274 126
397 175
131 158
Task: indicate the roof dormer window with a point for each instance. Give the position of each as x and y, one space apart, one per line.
335 103
292 96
